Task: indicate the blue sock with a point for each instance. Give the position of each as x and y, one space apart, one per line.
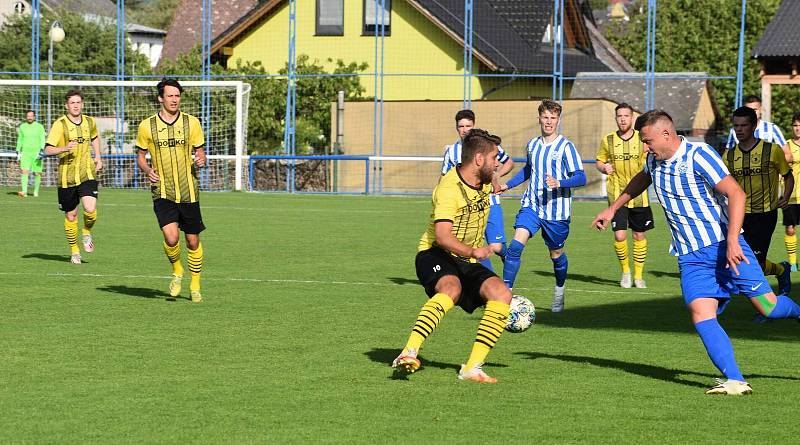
502 252
487 263
719 348
512 263
560 269
785 308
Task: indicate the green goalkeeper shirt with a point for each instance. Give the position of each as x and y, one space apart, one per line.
30 138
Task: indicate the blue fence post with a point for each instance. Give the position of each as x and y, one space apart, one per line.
366 176
740 63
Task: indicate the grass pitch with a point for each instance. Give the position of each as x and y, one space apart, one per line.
308 299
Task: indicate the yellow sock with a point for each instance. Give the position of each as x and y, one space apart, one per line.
791 247
771 268
429 317
195 260
621 247
489 329
88 221
639 255
174 257
71 229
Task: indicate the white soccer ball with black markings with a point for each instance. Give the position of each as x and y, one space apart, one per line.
521 314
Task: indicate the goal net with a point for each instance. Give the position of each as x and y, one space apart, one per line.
119 107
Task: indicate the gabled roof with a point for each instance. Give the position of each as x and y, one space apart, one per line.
507 33
185 31
677 93
782 36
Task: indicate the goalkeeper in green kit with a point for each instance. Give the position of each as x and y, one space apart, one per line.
30 141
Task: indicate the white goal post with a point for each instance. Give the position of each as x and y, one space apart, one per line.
223 114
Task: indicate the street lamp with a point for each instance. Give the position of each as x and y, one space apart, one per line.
56 36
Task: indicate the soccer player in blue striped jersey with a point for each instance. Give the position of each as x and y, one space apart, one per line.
765 130
704 208
495 231
553 168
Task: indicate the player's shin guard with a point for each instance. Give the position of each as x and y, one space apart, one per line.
621 248
639 255
489 330
784 307
23 182
195 260
512 263
37 181
791 247
89 218
174 257
719 348
429 317
71 229
560 265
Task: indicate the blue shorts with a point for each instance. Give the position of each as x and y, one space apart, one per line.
494 226
554 233
704 274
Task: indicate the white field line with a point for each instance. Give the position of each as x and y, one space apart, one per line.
281 281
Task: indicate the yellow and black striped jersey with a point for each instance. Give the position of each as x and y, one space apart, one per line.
627 158
74 166
467 207
795 166
171 145
758 172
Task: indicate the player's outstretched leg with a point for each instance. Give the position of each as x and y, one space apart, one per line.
512 263
720 351
776 306
489 330
560 266
174 256
89 218
430 315
195 260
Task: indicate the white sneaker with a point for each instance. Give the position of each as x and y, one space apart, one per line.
475 374
88 244
640 284
625 281
730 388
75 258
558 299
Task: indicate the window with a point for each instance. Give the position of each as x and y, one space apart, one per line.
330 17
373 20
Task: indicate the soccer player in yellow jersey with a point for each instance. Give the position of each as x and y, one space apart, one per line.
791 214
73 137
757 166
171 137
447 261
621 157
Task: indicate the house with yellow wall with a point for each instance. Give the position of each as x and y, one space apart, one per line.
419 52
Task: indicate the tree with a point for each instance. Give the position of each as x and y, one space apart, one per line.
267 105
703 35
88 47
153 13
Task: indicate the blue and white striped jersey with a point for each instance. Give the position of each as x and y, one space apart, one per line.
684 185
558 159
452 157
766 131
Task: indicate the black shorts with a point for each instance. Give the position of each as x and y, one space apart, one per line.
791 215
639 219
68 198
434 263
758 228
186 214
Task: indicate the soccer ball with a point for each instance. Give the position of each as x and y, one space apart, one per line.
521 315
